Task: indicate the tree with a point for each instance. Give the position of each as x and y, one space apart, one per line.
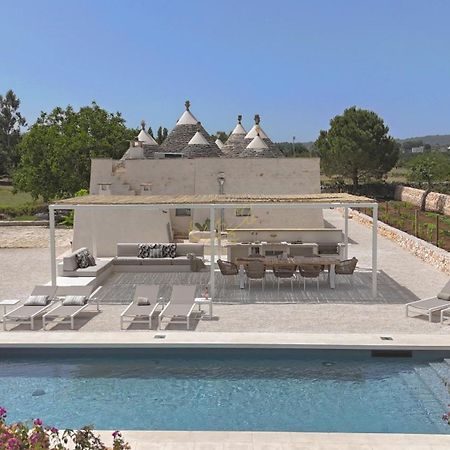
10 122
357 145
220 135
161 135
429 168
55 154
295 150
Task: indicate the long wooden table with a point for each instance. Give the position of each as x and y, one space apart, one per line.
271 261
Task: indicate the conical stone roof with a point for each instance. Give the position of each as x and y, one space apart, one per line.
186 127
235 142
272 150
199 147
219 143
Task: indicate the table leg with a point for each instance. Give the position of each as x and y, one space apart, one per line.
241 277
332 276
210 310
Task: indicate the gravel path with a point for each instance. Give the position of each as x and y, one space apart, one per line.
32 237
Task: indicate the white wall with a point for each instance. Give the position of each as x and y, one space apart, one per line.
101 229
242 176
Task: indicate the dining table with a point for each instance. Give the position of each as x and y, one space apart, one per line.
328 261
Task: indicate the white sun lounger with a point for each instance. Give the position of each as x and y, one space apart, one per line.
136 313
68 313
25 314
428 306
181 305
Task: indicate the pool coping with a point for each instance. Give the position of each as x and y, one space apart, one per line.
247 440
186 339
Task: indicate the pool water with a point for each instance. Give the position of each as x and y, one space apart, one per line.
268 390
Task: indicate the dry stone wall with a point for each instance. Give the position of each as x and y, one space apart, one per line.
435 256
435 202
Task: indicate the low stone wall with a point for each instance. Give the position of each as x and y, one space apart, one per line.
435 256
435 202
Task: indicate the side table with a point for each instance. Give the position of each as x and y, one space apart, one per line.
205 301
7 302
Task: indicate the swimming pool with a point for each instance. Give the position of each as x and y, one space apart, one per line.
223 389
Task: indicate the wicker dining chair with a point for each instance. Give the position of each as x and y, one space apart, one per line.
255 270
284 273
227 269
310 272
346 267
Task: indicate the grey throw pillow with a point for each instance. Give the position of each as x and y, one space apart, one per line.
74 300
37 300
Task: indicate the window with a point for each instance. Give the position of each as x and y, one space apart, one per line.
243 212
183 212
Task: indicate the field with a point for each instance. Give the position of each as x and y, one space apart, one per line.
431 227
19 206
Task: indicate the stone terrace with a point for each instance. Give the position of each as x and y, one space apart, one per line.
347 309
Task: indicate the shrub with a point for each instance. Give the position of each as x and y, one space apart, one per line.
20 436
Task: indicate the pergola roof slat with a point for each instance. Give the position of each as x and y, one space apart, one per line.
215 199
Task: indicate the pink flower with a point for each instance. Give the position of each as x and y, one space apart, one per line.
37 422
54 430
116 434
2 412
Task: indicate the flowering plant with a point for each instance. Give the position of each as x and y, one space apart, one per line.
20 436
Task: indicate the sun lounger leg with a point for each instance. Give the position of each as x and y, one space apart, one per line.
72 323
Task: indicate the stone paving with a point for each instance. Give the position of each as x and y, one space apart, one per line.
347 309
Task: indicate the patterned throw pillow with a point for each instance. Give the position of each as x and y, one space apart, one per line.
74 300
37 300
144 251
169 250
82 258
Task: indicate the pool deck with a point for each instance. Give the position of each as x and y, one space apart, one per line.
217 440
180 339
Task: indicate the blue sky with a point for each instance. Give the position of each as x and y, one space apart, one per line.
296 63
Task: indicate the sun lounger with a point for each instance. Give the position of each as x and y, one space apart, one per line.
181 305
143 306
428 306
73 301
26 313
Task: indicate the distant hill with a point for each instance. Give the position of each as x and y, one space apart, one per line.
435 140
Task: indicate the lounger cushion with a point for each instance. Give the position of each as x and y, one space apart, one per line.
124 249
70 263
127 261
156 261
37 300
143 301
445 293
180 261
75 300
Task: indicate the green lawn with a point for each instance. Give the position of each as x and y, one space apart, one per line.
19 204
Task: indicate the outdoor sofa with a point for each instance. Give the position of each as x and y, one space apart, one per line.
428 306
127 260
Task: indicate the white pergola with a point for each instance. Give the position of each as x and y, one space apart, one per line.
217 203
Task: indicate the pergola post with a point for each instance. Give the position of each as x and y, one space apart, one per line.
212 218
51 212
346 232
374 249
